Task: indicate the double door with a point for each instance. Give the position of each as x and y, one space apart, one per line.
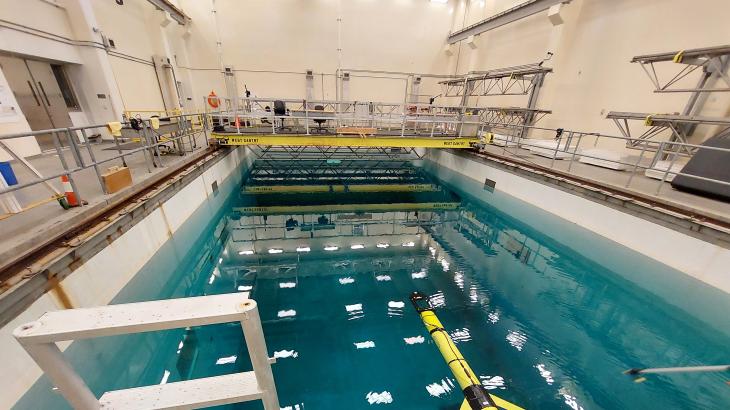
36 88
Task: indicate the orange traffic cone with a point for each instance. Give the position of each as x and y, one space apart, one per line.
238 122
71 199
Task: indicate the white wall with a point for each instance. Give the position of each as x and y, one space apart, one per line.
100 278
273 43
592 73
135 32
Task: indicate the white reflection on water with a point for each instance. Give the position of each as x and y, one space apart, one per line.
352 308
287 313
379 398
437 300
570 400
473 294
492 382
226 360
459 279
440 388
395 308
419 275
460 335
545 373
493 317
355 311
382 278
299 406
414 340
369 344
287 285
285 354
244 288
346 281
516 339
165 376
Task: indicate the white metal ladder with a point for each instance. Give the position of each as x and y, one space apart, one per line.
39 340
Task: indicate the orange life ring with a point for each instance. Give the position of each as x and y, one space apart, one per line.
213 100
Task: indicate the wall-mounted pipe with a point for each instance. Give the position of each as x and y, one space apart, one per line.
517 12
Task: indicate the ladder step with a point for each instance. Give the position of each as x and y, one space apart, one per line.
189 394
156 315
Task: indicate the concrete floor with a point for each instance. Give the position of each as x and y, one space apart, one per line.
640 184
20 229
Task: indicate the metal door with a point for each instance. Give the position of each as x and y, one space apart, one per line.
50 95
39 97
29 101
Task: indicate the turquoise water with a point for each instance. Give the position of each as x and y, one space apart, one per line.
547 314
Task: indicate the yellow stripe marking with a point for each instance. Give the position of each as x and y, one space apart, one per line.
302 140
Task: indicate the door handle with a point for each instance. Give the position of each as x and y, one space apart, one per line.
44 93
34 94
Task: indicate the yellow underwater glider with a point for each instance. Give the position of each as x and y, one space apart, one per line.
476 396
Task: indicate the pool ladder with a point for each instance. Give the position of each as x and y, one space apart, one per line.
39 340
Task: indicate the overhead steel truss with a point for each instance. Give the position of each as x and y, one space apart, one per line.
334 153
676 125
346 172
709 60
510 117
518 80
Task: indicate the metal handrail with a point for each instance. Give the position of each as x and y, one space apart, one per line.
150 149
673 148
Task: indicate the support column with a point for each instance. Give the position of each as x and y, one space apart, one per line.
256 345
50 359
170 79
94 79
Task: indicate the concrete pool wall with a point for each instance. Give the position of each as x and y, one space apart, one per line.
103 276
695 257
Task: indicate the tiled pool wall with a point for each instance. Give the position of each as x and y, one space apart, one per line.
165 234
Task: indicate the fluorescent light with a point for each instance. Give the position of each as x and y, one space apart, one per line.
408 244
383 245
331 248
303 249
246 252
357 246
274 250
